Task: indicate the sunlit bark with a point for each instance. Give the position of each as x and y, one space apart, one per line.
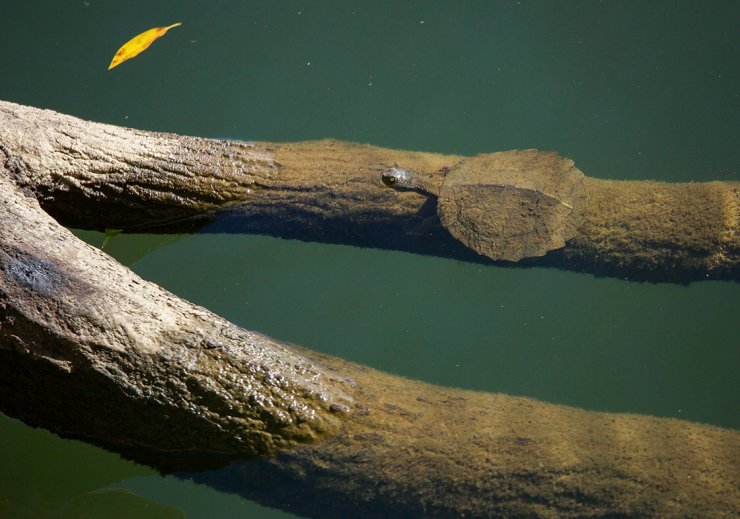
90 350
96 176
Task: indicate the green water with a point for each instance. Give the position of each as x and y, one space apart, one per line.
631 90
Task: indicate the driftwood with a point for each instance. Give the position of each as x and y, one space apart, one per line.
94 176
90 350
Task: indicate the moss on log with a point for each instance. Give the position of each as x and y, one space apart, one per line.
96 176
90 350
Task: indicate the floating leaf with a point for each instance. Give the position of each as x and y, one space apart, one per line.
139 44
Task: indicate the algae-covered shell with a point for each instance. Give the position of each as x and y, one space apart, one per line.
507 205
514 204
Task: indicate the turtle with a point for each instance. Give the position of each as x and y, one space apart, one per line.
507 205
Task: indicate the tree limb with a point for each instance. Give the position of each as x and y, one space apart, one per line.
88 349
96 176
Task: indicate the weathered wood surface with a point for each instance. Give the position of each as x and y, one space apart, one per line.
90 350
97 176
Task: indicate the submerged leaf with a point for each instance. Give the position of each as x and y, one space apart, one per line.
110 233
139 44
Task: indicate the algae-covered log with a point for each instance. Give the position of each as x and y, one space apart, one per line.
90 350
97 176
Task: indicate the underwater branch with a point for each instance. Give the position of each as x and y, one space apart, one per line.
96 176
90 350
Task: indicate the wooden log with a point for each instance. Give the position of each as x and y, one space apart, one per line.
96 176
90 350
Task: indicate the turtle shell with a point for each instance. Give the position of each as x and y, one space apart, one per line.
513 204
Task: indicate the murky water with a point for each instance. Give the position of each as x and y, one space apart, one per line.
627 90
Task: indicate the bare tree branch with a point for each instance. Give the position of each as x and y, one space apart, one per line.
97 176
88 349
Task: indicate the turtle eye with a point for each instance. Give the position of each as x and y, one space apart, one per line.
389 180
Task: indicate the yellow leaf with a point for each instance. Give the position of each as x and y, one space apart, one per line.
139 44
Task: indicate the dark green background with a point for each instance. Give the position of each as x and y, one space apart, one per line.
632 90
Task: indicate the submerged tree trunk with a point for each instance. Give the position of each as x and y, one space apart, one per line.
90 350
97 176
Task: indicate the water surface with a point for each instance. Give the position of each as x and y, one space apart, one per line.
628 90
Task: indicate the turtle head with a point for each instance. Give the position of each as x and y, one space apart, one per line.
399 178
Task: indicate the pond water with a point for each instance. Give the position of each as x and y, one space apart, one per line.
629 90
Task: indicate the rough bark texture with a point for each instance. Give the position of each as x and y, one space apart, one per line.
89 349
74 321
97 176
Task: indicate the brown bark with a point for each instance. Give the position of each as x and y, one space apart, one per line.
76 321
90 350
97 176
